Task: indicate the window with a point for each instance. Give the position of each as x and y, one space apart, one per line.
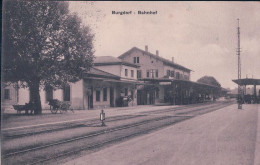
48 93
132 73
7 94
126 72
97 95
152 73
172 73
66 93
126 92
139 73
177 75
156 73
136 59
168 72
147 73
104 94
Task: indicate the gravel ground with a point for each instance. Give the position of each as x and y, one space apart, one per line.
224 137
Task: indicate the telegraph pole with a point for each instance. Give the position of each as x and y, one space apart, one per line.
239 92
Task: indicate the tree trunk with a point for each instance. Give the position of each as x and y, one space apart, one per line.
35 97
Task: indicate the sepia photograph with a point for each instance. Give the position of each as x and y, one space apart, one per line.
130 82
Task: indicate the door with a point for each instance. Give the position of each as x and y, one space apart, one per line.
139 97
90 99
111 97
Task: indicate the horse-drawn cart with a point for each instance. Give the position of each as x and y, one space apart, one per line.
55 106
62 106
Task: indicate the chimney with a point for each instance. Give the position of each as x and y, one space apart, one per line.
157 53
146 48
172 59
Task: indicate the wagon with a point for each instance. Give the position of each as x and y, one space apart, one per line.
57 105
26 108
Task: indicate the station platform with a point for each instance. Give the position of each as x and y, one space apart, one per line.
224 137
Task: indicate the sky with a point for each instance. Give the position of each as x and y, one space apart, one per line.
201 36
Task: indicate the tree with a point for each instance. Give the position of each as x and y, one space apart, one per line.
43 45
209 80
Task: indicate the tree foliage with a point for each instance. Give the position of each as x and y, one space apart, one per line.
44 44
209 80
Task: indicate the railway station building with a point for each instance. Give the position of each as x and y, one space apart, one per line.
119 88
154 68
137 77
170 81
111 82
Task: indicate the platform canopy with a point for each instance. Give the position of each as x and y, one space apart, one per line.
167 81
247 81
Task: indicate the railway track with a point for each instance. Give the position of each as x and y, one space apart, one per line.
28 151
106 142
92 122
201 109
28 132
42 155
177 108
32 148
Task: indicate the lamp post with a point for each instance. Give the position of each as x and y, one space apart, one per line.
102 118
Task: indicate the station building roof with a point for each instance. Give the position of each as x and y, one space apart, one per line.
97 74
247 81
94 72
165 61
